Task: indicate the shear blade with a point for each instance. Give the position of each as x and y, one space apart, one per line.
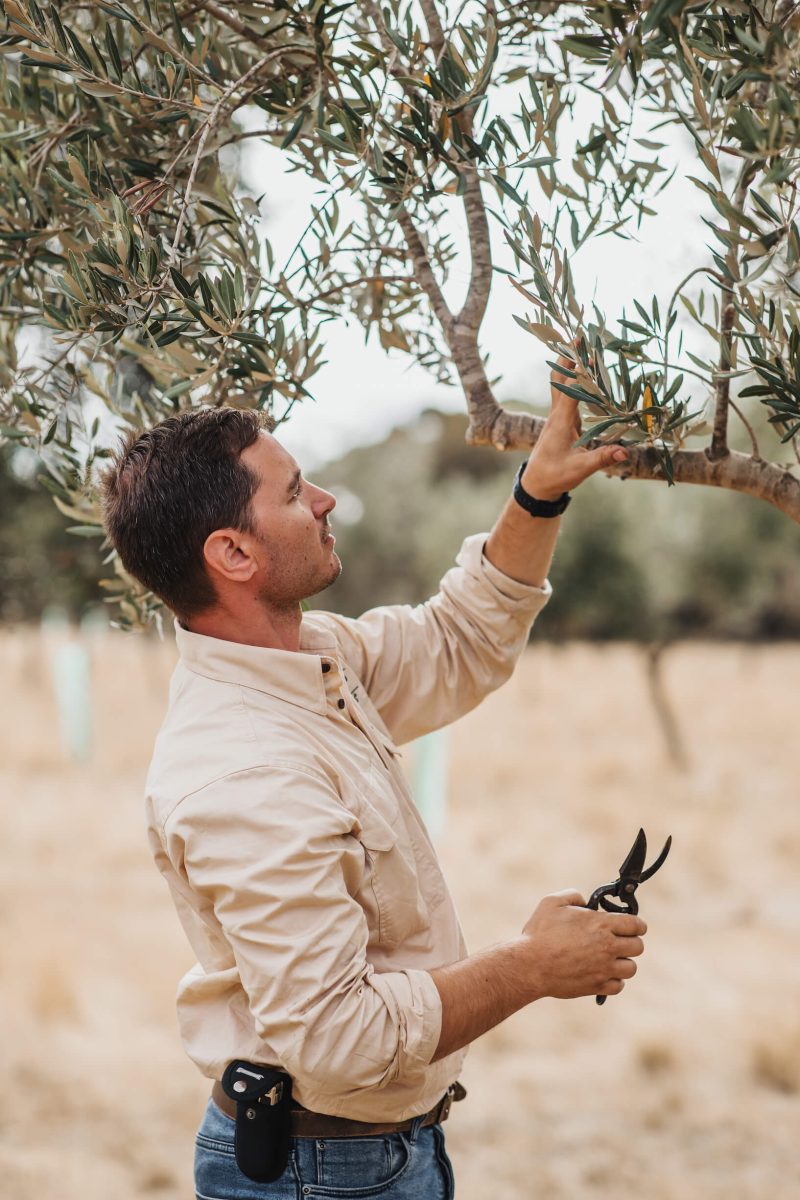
659 861
632 867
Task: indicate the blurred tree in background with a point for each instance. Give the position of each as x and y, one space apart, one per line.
136 275
633 563
41 564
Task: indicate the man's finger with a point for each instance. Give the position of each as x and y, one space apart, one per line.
565 423
560 401
629 947
612 988
563 375
569 896
563 408
627 925
607 456
602 458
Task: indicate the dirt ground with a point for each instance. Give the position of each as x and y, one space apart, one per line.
686 1085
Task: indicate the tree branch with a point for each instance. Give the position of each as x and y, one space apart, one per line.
722 388
389 48
672 302
233 22
727 349
460 333
213 119
424 275
748 427
436 36
485 414
351 283
492 425
735 472
474 308
393 67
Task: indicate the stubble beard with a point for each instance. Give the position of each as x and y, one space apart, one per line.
302 589
329 579
336 570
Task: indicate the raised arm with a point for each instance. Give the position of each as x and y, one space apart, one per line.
426 666
520 545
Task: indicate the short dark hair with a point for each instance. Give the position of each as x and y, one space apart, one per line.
168 488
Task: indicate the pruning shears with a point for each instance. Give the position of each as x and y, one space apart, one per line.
631 874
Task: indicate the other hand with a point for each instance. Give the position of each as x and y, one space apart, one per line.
556 465
571 950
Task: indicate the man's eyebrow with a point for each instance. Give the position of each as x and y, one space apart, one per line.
294 482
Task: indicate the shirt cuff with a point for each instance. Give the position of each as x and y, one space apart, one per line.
413 1000
473 559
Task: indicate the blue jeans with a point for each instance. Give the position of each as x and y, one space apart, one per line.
394 1166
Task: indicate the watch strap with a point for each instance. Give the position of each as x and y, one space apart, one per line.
538 508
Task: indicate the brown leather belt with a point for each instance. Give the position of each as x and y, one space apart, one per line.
319 1125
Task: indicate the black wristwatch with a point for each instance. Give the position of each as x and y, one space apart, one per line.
538 508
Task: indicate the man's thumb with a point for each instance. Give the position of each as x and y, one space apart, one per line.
607 456
570 896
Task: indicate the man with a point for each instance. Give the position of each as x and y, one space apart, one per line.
327 942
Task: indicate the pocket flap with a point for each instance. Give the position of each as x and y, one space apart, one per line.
374 832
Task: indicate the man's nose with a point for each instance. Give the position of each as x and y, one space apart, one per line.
325 502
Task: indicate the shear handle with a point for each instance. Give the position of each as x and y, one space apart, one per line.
600 898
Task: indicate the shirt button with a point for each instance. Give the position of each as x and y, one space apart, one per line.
325 668
340 703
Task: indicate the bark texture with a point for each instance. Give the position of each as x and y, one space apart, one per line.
735 471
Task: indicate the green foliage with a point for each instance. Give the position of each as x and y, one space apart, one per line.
144 268
729 75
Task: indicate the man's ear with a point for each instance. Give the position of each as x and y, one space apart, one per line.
229 553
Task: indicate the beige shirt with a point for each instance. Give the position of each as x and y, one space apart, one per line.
301 871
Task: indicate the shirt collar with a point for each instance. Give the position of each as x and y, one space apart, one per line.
291 675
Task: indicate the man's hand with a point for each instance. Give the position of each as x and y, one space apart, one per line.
556 465
574 951
522 546
565 950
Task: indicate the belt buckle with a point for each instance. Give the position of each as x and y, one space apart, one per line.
446 1104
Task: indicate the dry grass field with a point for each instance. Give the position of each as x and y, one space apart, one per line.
686 1085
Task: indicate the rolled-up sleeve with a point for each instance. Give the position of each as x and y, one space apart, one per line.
427 665
272 855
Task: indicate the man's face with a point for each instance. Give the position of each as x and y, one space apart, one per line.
290 516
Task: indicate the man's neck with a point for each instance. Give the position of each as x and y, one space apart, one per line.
275 629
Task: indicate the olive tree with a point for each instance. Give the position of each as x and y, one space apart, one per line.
135 266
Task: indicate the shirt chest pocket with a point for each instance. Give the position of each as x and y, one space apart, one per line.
390 893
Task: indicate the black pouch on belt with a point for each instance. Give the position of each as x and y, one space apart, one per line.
263 1118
